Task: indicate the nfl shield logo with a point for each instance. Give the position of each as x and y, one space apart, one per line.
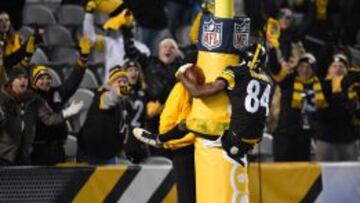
212 34
241 33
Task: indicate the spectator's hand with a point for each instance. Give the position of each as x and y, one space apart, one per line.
182 69
124 19
153 108
292 63
122 91
30 47
90 6
73 109
85 48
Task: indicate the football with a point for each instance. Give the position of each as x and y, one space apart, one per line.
195 75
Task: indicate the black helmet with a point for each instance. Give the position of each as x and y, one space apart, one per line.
254 55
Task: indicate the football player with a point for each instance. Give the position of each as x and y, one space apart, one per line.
249 88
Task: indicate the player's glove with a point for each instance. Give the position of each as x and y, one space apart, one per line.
182 69
147 137
235 147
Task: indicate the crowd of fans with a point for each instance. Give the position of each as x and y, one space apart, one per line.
318 102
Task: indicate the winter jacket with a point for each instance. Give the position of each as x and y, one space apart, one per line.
18 125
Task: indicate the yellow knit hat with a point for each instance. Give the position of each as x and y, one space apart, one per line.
115 73
39 71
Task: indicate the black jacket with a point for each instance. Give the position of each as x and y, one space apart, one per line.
104 130
56 97
159 77
335 121
18 125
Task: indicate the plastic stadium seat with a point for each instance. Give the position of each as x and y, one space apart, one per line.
64 55
38 15
77 121
39 57
355 56
89 81
100 19
57 35
25 32
98 70
56 80
70 15
70 148
157 160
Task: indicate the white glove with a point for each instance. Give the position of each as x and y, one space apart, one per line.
73 109
183 68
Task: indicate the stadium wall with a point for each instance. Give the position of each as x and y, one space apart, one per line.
269 183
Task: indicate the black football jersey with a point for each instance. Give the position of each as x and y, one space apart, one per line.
138 99
249 93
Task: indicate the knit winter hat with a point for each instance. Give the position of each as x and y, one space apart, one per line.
15 73
341 58
115 73
308 58
37 72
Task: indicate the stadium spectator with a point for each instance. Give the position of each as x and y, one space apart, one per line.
301 96
336 134
2 68
135 150
49 140
284 17
15 11
151 22
20 109
159 73
101 137
113 45
14 53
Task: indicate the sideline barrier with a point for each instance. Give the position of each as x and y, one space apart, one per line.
121 183
280 183
305 182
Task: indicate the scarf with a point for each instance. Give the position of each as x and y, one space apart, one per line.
299 91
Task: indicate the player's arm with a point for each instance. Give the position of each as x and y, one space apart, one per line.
205 90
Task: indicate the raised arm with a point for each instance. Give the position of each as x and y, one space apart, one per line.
205 90
72 83
89 28
111 98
